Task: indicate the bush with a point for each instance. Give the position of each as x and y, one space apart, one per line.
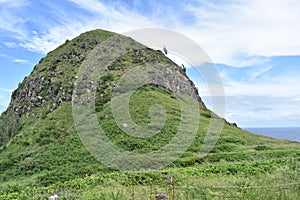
261 148
10 124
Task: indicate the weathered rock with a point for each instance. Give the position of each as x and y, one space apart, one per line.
54 197
125 125
51 82
161 197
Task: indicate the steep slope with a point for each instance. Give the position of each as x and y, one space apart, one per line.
50 83
40 144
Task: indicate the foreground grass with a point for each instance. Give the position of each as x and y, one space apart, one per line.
265 179
47 157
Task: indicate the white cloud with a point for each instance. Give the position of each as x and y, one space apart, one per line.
118 19
231 32
274 117
55 36
258 111
10 44
20 61
104 17
4 56
14 3
9 20
264 99
260 71
95 6
238 33
296 99
6 90
276 87
16 60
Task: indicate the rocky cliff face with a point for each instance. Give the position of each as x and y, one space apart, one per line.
49 84
52 80
38 92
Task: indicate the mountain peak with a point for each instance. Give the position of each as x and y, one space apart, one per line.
40 145
51 81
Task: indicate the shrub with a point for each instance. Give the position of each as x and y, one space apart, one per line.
10 124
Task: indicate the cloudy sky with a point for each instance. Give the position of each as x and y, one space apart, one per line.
255 45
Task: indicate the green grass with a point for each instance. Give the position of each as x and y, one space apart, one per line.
273 179
47 157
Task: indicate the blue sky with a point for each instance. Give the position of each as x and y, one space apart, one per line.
255 45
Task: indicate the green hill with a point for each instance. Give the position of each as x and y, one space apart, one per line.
42 154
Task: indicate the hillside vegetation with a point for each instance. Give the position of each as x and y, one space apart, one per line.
41 153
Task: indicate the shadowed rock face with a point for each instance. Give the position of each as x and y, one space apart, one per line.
51 81
161 197
34 93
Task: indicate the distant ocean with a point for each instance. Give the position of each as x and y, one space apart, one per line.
285 133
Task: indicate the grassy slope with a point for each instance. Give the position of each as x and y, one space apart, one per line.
60 66
49 153
47 156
